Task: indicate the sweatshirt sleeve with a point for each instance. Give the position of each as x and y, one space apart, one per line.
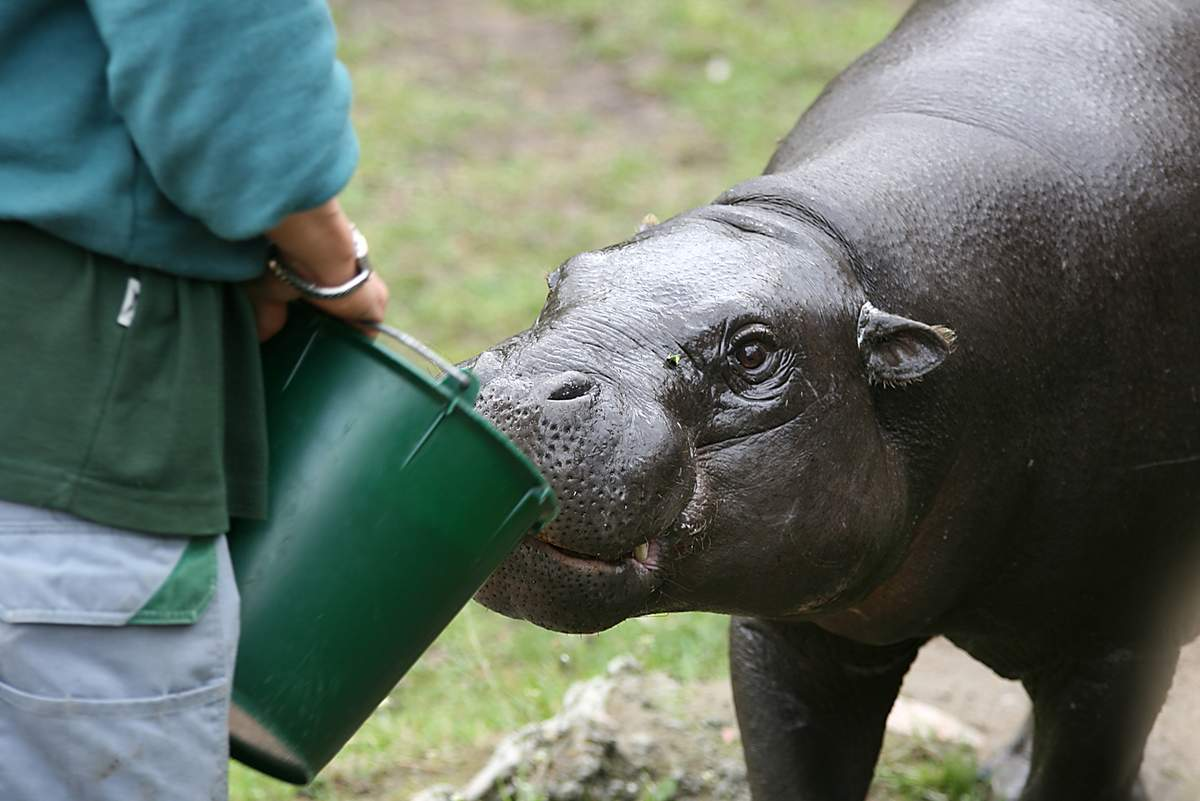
239 108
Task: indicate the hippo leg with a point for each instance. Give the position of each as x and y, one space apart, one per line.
1090 724
1008 770
812 707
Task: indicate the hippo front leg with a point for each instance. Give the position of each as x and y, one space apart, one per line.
812 708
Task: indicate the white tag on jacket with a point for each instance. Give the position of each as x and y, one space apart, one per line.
129 305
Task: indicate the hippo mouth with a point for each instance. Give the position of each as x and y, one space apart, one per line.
566 590
561 581
644 556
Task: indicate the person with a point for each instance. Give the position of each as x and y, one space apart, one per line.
151 154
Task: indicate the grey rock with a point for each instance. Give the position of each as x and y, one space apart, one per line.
622 736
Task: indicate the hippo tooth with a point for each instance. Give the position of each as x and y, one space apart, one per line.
641 552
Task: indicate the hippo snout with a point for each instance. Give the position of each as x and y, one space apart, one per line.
610 458
620 469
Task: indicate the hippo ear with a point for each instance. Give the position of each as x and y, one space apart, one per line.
898 350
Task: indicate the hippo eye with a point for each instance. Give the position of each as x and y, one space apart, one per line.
754 354
750 355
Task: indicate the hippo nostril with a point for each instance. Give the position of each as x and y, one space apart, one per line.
568 386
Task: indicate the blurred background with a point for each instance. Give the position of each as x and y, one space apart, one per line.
499 137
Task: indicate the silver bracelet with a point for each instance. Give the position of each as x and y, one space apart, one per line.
284 272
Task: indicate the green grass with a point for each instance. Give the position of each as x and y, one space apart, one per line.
927 771
745 69
545 128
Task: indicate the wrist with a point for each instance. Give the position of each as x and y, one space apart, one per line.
336 281
317 244
326 273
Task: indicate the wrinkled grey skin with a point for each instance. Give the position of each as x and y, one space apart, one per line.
760 391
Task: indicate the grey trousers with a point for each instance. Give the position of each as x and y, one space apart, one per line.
92 709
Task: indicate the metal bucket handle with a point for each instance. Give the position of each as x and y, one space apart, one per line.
460 377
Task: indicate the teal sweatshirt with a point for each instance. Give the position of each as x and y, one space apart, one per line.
170 133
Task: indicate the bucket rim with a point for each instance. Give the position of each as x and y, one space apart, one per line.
456 398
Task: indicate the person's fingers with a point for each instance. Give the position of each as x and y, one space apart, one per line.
269 296
269 317
367 304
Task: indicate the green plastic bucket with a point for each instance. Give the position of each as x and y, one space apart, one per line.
391 501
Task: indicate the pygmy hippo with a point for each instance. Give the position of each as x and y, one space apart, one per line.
936 372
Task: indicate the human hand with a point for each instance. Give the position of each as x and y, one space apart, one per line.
270 298
319 247
367 304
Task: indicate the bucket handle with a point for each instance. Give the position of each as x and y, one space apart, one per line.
461 377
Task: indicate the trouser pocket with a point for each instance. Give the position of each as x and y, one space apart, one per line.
92 709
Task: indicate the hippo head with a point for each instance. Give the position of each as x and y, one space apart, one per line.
700 398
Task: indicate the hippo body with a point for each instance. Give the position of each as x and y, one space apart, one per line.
936 372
